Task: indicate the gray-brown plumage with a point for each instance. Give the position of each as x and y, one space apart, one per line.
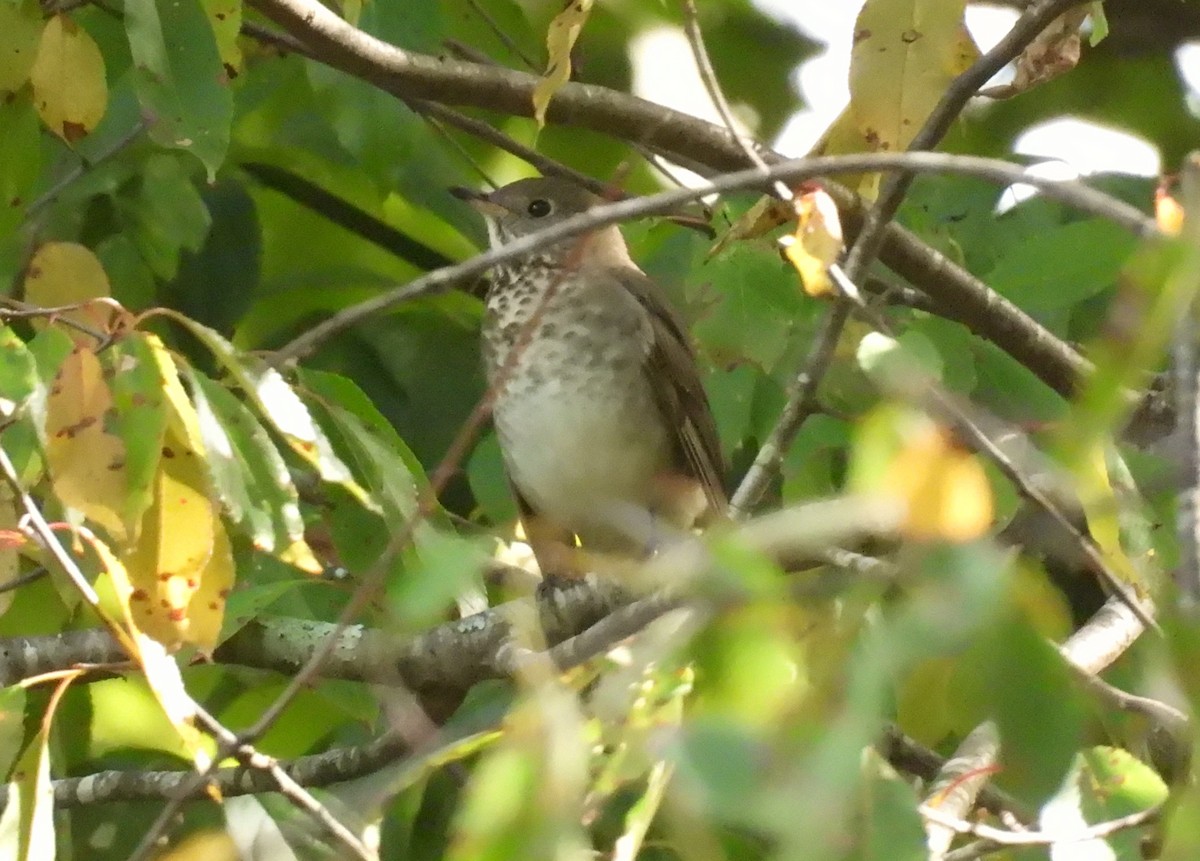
605 429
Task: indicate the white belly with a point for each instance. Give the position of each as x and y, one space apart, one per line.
580 458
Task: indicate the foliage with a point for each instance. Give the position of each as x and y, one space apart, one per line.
188 185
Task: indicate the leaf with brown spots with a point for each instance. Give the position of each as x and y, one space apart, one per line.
86 463
905 54
69 87
66 274
139 363
20 31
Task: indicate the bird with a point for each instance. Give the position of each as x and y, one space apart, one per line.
605 430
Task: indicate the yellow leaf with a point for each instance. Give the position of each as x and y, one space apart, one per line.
905 54
67 273
160 668
560 40
85 462
20 31
212 845
944 487
1168 213
174 549
206 612
181 417
1101 506
842 137
817 242
69 88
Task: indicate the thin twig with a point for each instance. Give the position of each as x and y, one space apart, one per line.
1005 837
77 172
1072 193
940 402
504 38
800 404
695 37
958 784
1186 370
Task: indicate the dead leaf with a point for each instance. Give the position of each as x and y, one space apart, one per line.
767 213
1055 50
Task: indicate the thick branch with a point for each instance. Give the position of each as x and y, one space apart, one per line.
677 135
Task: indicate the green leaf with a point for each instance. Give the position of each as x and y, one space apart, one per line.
50 348
180 79
166 214
386 465
755 305
141 417
1056 269
446 566
18 372
20 30
27 824
248 472
1010 389
1104 784
1037 706
20 133
891 830
489 483
12 726
280 405
217 284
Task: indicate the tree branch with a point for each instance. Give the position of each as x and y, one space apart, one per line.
677 135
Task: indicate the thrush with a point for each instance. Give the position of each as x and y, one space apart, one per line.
605 429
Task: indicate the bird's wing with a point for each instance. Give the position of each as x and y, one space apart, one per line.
675 381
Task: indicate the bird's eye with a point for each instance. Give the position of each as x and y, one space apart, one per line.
539 208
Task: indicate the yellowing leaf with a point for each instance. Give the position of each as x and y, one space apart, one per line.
27 824
178 537
905 54
20 31
1168 213
67 273
206 612
843 136
945 488
560 39
10 540
86 463
817 242
69 88
1102 507
225 16
160 668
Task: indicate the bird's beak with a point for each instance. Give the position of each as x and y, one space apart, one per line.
479 201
